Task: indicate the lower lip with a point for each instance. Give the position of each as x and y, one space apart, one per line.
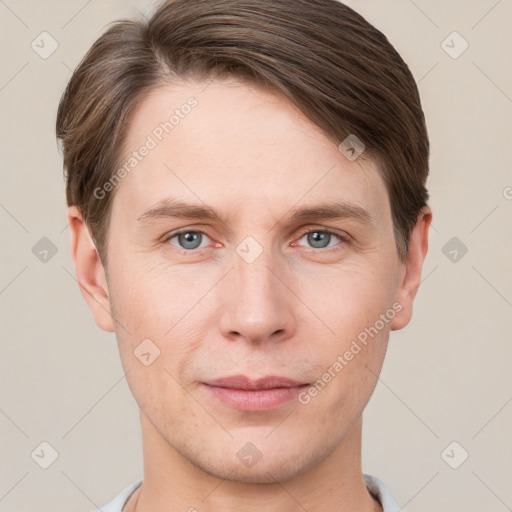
257 400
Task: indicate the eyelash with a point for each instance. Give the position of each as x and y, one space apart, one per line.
343 239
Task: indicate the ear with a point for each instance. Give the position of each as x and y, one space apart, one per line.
410 276
89 271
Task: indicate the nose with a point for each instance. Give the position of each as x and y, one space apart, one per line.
258 304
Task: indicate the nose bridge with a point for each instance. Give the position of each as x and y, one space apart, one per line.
259 302
256 267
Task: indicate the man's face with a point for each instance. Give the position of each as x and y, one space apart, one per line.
254 295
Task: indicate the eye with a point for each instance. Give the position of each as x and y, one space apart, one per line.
188 240
320 238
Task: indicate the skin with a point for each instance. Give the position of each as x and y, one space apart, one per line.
253 157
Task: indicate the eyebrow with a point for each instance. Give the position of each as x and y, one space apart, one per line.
174 208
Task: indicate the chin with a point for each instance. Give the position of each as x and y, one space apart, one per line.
268 469
262 475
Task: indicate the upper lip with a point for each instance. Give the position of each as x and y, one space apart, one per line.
243 382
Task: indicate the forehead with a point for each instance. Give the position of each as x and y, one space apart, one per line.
237 147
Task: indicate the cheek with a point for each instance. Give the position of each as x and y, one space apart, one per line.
150 298
344 301
355 309
158 328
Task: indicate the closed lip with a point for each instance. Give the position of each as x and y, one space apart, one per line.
247 384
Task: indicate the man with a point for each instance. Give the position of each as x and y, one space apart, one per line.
248 213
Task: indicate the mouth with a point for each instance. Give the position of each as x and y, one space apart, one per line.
243 393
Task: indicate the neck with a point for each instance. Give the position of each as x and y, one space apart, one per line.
171 482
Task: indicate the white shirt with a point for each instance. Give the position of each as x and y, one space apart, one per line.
375 486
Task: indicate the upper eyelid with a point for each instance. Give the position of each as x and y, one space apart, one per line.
302 232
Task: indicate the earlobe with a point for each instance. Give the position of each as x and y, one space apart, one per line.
411 274
89 271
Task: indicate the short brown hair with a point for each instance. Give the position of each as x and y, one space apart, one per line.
338 69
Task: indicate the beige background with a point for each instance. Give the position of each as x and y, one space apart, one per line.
447 376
